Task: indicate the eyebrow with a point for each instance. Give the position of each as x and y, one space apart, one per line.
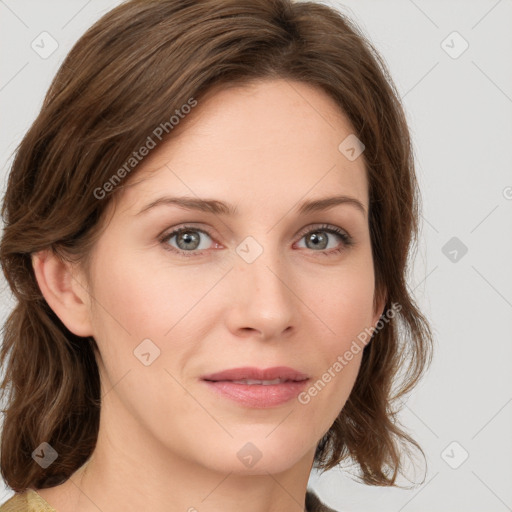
221 208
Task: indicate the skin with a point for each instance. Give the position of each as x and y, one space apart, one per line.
167 442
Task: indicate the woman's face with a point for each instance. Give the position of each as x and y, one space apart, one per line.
268 286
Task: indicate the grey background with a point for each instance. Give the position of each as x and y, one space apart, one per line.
459 111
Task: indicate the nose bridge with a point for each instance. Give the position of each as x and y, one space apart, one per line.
264 299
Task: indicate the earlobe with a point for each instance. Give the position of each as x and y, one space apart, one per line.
63 292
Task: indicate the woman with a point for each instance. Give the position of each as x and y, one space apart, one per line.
207 232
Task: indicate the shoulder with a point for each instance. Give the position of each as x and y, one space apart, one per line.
313 503
27 501
30 501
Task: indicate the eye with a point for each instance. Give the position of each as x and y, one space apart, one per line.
319 238
188 239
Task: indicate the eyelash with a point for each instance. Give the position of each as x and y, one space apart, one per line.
347 240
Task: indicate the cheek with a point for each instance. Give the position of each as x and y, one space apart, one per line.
345 306
125 310
139 299
344 302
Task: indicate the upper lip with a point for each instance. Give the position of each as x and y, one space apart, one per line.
248 372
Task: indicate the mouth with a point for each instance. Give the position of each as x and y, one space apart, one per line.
250 375
252 382
256 388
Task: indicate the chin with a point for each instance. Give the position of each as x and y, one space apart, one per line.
261 454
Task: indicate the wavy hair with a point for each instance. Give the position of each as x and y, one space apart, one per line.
127 74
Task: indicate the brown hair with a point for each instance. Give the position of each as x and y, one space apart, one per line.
106 99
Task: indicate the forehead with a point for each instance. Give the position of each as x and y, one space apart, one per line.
273 140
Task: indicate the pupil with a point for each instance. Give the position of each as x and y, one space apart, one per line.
188 238
317 239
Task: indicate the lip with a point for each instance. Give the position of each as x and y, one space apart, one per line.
250 372
257 395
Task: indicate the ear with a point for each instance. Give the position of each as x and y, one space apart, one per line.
59 283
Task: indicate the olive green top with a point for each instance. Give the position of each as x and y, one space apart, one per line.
31 501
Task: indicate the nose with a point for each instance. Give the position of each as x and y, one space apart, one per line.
263 302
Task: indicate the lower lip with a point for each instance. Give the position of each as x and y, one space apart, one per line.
258 395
